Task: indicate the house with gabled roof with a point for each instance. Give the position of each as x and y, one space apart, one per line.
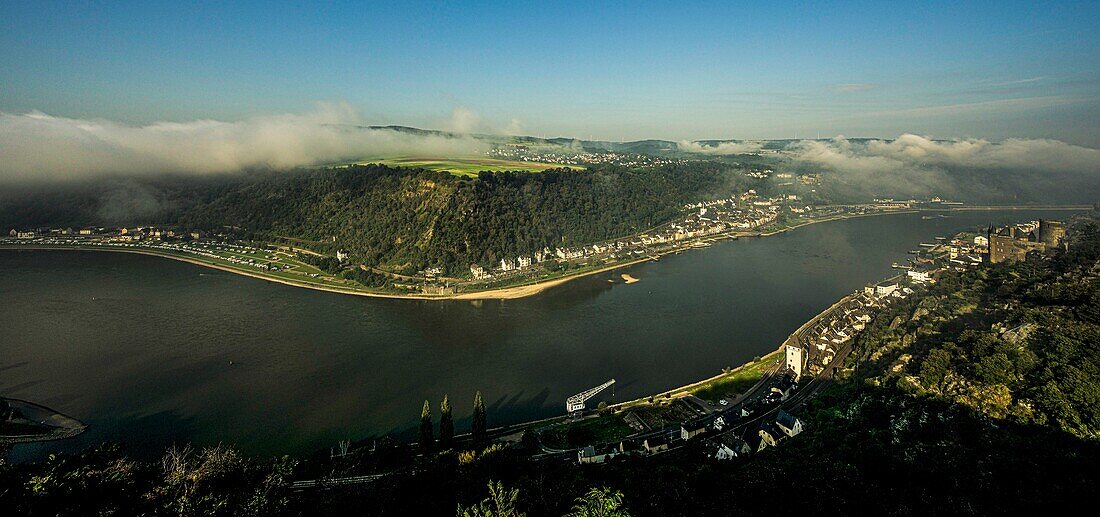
655 444
729 446
594 454
689 430
769 434
754 440
788 424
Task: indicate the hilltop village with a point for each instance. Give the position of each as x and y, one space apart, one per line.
526 154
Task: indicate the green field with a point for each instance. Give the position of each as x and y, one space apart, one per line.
298 271
737 381
466 166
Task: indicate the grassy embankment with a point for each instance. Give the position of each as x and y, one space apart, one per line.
737 381
299 274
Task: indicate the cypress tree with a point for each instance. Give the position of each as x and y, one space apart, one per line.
427 438
446 424
477 432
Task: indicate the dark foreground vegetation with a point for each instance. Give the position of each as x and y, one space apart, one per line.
981 396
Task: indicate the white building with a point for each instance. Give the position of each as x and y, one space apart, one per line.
882 291
689 430
920 276
592 455
724 452
789 424
794 360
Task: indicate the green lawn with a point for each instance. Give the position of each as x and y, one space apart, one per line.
300 273
604 429
737 381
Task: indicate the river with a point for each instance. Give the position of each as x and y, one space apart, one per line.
151 352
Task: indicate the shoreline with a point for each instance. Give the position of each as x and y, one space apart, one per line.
56 425
680 390
502 293
529 289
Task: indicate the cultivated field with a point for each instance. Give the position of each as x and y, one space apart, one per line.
466 166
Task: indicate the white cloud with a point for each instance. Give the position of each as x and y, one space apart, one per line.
463 120
723 148
975 108
918 165
910 150
855 87
36 146
1020 81
515 128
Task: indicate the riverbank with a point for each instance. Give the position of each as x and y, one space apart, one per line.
538 287
503 293
770 357
31 423
748 376
521 290
311 359
978 208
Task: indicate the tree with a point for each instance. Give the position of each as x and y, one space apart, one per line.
599 502
446 424
935 366
477 431
427 439
500 503
994 369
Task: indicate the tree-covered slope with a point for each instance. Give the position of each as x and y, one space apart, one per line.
411 219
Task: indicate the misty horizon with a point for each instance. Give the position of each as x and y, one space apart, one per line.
43 149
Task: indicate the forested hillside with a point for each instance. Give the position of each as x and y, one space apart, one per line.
1018 342
410 219
400 218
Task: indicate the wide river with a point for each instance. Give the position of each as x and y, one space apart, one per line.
150 351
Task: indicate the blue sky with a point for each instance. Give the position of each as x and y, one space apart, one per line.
613 70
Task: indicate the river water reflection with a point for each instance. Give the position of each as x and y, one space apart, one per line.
151 351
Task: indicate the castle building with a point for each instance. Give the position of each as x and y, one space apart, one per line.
1012 243
1051 233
